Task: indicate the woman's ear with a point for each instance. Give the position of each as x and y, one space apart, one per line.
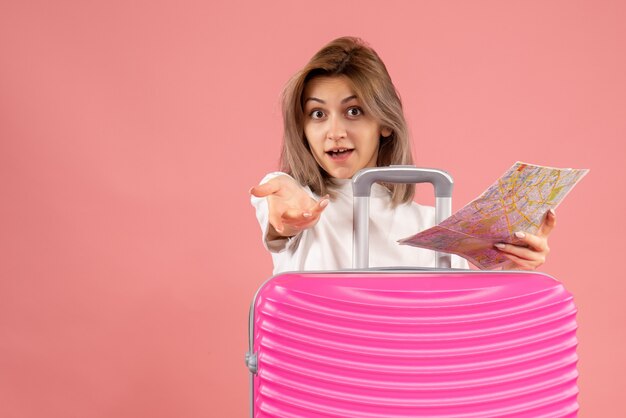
386 132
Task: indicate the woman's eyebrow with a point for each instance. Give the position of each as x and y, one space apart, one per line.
315 99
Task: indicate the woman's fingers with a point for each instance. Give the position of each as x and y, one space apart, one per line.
291 208
276 221
302 219
519 253
549 222
530 254
265 189
531 250
534 242
289 221
318 208
516 263
293 216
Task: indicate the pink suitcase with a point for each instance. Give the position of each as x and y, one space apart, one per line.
412 343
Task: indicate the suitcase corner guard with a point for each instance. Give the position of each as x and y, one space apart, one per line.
252 362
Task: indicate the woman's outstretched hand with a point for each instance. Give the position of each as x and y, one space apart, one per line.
534 250
291 208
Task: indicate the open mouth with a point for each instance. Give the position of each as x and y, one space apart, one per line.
339 153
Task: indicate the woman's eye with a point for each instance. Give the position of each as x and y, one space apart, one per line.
317 114
354 111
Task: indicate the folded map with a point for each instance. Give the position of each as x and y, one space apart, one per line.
517 201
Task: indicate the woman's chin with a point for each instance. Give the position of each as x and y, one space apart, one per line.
341 173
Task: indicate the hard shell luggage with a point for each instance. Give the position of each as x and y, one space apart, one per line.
411 343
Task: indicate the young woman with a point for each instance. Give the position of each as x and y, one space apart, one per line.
342 113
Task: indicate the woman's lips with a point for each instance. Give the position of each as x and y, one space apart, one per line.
339 156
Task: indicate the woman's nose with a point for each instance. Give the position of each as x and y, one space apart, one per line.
336 129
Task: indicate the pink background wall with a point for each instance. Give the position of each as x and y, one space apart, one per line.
130 133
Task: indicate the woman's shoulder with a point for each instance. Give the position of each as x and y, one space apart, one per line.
272 175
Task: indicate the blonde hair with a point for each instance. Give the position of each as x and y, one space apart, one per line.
350 57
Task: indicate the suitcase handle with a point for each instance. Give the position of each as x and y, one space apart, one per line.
362 185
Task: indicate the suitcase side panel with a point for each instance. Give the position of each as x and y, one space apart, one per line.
469 344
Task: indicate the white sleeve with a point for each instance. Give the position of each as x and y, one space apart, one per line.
262 215
459 262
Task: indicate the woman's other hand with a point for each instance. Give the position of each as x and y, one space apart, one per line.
291 208
533 250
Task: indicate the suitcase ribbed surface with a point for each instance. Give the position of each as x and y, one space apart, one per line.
470 344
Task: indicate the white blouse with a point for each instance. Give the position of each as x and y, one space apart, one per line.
328 245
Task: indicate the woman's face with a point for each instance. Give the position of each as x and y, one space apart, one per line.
342 138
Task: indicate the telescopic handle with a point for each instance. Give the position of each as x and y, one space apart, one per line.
362 185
